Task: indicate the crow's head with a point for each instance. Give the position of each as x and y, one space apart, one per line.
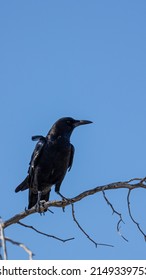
65 126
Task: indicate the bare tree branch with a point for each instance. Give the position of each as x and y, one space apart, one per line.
45 234
79 226
3 242
64 203
28 251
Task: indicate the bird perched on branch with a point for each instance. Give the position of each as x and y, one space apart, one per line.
52 157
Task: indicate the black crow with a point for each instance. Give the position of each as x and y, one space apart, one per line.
52 157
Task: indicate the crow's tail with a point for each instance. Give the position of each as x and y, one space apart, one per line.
33 198
23 186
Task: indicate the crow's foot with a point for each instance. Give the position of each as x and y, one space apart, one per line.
40 208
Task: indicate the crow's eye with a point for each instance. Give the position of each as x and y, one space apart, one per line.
68 122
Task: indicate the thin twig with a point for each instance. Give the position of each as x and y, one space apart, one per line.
45 234
3 242
0 242
130 214
1 249
135 179
116 212
143 180
94 242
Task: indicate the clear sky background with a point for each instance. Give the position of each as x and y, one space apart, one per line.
87 60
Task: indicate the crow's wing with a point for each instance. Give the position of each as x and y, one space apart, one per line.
33 162
36 154
71 157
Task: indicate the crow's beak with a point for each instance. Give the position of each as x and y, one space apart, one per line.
77 123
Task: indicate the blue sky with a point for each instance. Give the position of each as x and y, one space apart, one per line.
87 60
